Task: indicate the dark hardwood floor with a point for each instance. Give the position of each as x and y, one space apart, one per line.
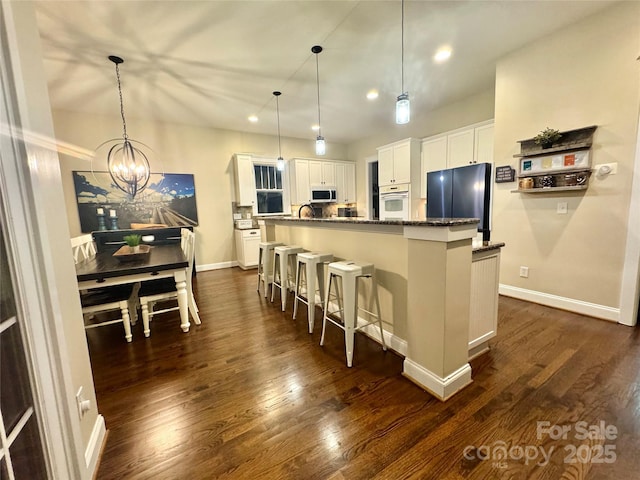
249 394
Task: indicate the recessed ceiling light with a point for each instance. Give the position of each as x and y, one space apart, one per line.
372 94
253 118
442 55
315 128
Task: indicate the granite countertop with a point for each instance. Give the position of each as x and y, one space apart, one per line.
488 246
430 222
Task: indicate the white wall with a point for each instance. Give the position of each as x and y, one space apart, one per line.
204 152
583 75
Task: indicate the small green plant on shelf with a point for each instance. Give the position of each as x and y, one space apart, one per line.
547 137
132 240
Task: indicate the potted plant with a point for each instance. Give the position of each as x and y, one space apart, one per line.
133 241
547 137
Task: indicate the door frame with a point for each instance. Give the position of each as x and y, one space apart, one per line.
31 189
368 206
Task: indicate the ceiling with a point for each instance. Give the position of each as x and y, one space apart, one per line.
213 63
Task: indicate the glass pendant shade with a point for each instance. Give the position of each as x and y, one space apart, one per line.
321 148
280 163
403 109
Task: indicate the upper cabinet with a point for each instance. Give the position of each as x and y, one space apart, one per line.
322 173
307 173
460 148
398 161
300 184
346 182
456 148
245 182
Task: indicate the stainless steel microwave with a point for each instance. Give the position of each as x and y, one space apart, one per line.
323 195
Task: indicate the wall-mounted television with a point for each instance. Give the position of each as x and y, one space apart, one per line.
462 192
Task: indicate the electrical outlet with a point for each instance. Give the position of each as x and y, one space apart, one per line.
562 207
524 272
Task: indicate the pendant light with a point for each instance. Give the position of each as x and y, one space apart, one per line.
403 109
320 145
127 164
280 161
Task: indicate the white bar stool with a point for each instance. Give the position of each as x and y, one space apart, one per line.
265 264
284 266
349 272
311 264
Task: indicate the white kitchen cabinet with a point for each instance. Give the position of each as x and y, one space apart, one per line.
245 181
483 308
460 148
399 162
456 148
434 158
346 182
247 247
300 184
322 173
483 146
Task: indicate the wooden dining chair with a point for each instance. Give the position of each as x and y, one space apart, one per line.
106 299
164 290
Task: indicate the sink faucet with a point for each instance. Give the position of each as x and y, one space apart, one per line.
313 213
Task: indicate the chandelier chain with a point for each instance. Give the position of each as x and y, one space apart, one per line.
124 123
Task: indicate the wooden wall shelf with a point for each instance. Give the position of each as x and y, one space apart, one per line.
579 139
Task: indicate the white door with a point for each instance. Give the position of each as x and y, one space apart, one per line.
21 446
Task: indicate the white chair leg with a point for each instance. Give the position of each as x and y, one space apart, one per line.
145 318
126 321
326 307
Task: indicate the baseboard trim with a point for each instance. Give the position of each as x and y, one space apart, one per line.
94 445
216 266
578 306
395 343
441 388
392 341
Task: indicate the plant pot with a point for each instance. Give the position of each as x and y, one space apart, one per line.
546 145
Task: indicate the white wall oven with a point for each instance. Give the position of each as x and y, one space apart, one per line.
394 202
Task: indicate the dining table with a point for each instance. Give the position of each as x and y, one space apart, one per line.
163 261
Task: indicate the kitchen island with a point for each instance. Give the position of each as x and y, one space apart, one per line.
424 274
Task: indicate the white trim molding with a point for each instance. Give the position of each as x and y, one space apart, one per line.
441 388
94 445
578 306
631 270
216 266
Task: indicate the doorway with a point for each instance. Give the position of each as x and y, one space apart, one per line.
373 193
